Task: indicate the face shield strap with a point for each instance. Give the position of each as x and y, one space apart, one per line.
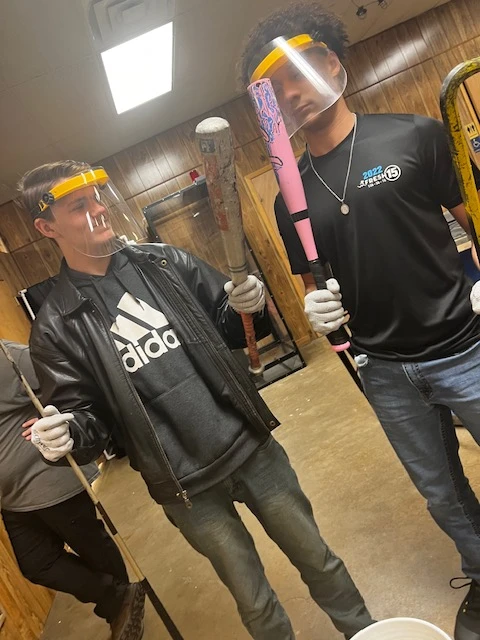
274 54
97 176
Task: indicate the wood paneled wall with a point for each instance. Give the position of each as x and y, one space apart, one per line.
399 70
25 605
13 321
402 69
31 258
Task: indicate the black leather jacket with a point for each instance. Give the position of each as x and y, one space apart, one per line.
80 369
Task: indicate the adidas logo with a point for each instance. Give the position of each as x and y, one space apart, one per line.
140 333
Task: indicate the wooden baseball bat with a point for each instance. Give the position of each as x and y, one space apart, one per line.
290 183
216 146
152 596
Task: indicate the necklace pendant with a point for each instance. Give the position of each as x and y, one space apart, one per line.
345 209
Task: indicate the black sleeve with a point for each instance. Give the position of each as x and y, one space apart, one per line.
437 162
206 284
296 254
70 388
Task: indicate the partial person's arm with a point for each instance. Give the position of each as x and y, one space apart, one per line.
444 184
71 390
460 216
437 160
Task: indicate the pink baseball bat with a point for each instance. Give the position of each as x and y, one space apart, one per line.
289 180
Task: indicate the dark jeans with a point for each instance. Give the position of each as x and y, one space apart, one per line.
96 574
269 487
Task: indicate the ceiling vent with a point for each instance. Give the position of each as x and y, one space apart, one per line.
114 22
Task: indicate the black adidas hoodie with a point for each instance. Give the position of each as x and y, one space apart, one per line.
204 438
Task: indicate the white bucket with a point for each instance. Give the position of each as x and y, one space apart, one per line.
401 629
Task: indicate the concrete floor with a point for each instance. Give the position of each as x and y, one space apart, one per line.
365 505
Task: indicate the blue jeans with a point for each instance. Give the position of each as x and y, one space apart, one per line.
413 402
268 485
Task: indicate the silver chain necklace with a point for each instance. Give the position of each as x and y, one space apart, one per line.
344 208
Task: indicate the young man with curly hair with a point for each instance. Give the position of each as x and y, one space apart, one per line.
375 186
132 342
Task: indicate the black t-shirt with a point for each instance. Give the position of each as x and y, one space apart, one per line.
400 274
204 438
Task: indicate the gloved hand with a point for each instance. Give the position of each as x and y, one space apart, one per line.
475 298
51 434
248 297
324 309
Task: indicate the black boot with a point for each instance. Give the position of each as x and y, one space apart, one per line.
128 625
467 626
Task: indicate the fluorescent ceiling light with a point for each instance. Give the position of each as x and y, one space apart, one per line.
140 69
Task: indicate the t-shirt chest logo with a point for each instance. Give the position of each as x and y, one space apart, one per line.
141 333
380 175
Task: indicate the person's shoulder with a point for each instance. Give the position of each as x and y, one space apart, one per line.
429 126
279 203
51 303
49 316
387 121
157 249
401 121
303 167
14 346
303 163
412 128
164 250
16 349
183 260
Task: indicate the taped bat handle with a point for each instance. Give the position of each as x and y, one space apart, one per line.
255 366
339 339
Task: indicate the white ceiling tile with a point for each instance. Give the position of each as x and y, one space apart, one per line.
19 125
16 163
20 43
3 81
68 99
88 148
37 36
65 32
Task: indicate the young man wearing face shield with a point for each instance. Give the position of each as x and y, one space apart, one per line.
375 186
134 342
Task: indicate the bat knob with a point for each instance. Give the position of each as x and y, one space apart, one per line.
256 371
341 347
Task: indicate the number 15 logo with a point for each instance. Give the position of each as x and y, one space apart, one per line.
392 172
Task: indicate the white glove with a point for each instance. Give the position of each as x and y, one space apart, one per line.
475 298
51 434
248 297
324 309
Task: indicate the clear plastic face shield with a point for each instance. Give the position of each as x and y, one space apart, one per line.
90 215
306 76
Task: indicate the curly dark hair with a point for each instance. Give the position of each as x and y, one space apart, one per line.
303 17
